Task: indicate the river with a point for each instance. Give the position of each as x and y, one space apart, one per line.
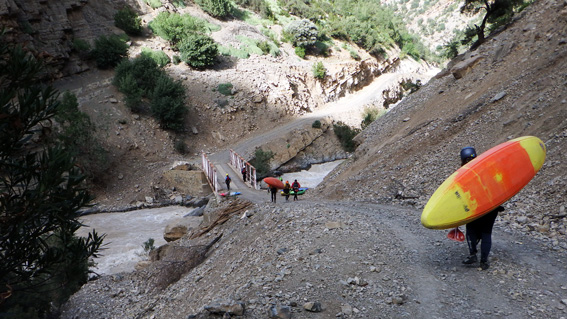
127 232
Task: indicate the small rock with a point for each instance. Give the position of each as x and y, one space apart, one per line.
313 306
498 96
280 312
221 307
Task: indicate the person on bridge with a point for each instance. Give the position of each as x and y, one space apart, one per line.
227 181
243 171
295 186
273 191
479 230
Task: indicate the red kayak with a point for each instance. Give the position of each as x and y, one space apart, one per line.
274 182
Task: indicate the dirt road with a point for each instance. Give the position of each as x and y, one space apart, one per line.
358 260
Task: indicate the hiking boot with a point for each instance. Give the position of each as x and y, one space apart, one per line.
484 265
470 260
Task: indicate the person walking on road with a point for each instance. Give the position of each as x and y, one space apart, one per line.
286 190
273 191
479 230
295 186
227 180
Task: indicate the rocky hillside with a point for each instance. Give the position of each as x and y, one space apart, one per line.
513 85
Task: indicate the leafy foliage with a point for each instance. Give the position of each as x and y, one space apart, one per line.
168 103
149 245
319 70
303 33
138 76
370 114
174 27
153 3
42 261
158 56
198 50
127 20
261 162
346 134
143 78
316 124
216 8
300 52
497 13
109 51
76 132
262 7
225 88
367 23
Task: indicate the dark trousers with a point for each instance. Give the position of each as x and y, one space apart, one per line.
274 196
480 230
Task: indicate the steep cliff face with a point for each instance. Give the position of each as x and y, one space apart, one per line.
48 28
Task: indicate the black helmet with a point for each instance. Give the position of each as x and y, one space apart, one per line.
467 154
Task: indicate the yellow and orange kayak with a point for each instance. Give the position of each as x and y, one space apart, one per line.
484 183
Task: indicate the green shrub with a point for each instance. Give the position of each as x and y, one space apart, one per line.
158 56
129 86
109 51
174 27
264 46
143 70
216 8
345 135
76 131
316 124
304 32
180 146
149 245
225 88
199 51
369 115
354 54
81 45
319 70
241 53
176 59
153 3
300 51
127 20
261 162
168 103
261 7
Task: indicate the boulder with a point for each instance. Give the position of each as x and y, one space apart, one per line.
462 68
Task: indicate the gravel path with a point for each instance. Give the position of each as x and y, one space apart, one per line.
358 260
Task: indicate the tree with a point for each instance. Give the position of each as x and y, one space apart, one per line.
42 262
304 33
497 12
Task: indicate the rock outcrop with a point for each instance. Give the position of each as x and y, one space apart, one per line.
49 28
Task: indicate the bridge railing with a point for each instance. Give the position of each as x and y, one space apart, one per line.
210 173
238 162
